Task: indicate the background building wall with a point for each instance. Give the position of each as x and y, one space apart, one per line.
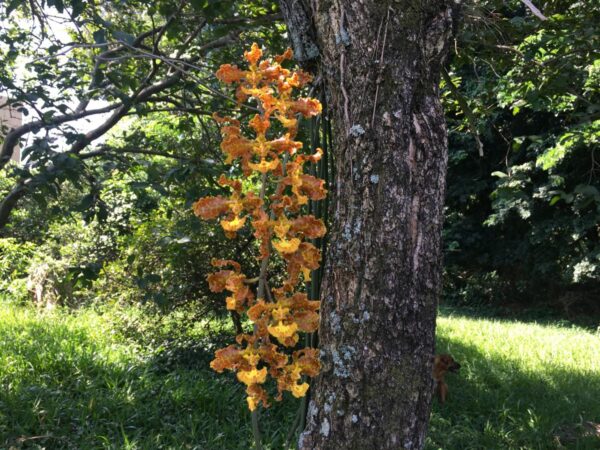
10 118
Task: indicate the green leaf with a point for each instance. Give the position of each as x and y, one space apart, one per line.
124 37
153 278
160 299
86 202
199 4
555 199
77 7
12 5
58 4
99 36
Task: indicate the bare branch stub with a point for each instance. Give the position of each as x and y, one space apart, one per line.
536 12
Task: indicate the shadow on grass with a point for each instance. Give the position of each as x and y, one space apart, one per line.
62 389
494 403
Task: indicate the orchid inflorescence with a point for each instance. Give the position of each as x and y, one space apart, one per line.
275 216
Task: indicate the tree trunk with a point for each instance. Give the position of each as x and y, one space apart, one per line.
380 62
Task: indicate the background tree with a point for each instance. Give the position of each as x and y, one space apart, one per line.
105 61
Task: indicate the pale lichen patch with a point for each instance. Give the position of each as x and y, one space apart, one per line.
347 233
357 227
357 130
339 368
340 359
324 428
335 322
343 37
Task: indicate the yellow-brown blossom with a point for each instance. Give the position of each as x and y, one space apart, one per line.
276 223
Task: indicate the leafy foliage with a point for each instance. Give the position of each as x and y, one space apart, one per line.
522 222
82 61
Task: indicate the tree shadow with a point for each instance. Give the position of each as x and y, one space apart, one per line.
497 403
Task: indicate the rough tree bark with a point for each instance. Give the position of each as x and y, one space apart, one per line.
380 62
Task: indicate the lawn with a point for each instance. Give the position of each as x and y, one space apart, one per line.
521 386
74 380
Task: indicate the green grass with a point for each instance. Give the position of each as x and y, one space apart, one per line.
521 385
74 380
70 381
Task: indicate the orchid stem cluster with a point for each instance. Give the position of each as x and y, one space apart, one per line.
273 210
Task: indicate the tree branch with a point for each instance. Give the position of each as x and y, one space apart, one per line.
106 151
250 20
536 12
12 137
9 202
178 109
120 110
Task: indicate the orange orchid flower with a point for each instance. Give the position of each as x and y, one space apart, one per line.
277 223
